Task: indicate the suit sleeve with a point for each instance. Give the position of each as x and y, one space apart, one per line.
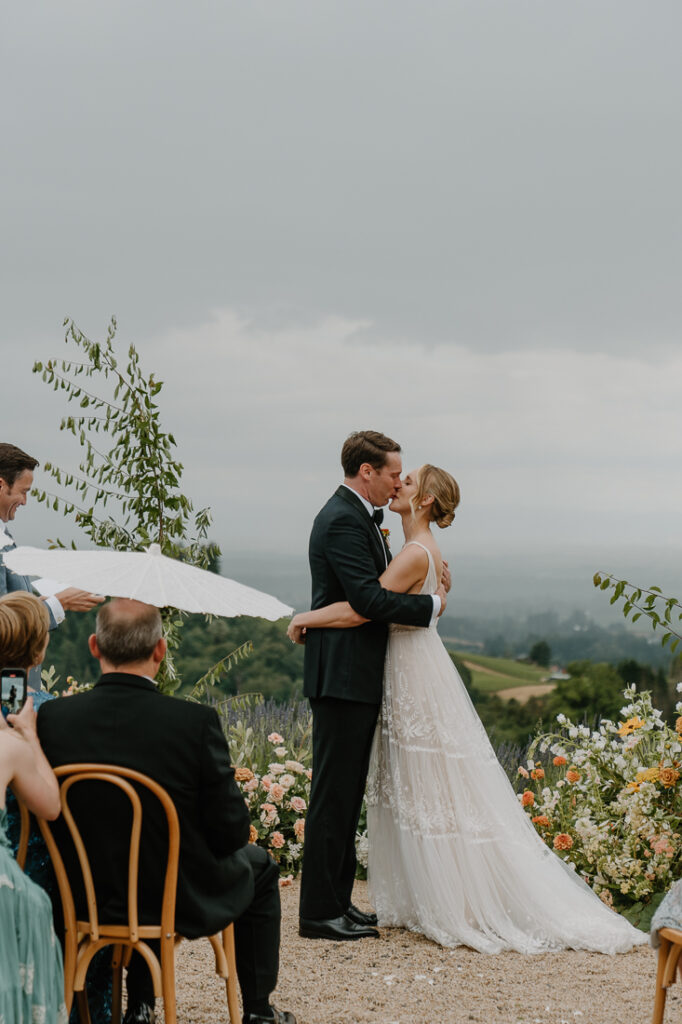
11 582
224 817
348 552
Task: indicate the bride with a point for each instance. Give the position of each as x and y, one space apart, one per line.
451 853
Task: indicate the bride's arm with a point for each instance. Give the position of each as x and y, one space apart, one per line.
406 570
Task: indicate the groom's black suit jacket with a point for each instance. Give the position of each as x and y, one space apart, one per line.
124 720
346 559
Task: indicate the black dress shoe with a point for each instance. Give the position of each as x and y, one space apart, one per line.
359 916
142 1013
337 928
278 1017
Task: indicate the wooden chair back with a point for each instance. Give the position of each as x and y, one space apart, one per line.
85 937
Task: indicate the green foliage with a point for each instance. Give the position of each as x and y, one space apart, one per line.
591 692
540 653
127 465
664 612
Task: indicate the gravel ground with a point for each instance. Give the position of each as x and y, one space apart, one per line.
403 978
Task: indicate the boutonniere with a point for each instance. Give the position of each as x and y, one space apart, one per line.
385 533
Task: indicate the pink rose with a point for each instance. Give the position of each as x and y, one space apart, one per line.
298 804
299 829
277 840
275 737
276 792
251 785
287 781
309 773
266 782
268 814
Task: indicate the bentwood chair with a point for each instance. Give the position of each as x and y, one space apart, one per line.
669 953
84 938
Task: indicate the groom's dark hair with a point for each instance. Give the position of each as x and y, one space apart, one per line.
366 446
13 462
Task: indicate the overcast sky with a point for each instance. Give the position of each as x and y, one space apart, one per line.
456 222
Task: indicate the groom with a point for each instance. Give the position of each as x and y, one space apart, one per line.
343 677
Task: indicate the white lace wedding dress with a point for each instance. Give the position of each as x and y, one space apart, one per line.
451 852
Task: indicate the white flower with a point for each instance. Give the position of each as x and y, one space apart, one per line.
276 769
280 751
679 687
561 719
573 732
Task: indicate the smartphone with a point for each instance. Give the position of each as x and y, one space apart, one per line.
12 690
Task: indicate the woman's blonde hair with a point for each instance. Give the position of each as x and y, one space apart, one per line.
445 491
24 624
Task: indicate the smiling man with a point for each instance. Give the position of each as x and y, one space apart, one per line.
16 480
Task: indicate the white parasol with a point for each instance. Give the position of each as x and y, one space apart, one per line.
147 576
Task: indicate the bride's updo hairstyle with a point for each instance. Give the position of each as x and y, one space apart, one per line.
445 491
24 624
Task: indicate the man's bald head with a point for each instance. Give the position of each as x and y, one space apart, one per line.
127 631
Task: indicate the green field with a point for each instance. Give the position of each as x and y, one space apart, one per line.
502 673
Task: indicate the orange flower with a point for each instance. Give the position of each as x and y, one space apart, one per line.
527 800
678 725
558 761
253 833
563 841
243 774
573 775
668 777
537 773
542 820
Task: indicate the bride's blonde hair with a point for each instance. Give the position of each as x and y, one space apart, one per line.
445 491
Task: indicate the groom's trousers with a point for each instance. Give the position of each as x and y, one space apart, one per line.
342 741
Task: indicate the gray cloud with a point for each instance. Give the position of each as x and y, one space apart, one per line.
487 174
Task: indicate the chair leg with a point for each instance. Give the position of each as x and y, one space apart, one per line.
117 985
83 1007
231 980
659 1000
168 980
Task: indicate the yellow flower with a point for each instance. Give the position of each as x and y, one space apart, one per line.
648 774
626 728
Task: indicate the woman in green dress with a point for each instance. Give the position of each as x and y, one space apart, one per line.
31 974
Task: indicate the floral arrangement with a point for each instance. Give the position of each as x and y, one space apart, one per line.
609 801
277 800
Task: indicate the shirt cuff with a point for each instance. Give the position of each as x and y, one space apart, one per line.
436 609
55 606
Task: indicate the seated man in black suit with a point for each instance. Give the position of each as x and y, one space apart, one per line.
124 720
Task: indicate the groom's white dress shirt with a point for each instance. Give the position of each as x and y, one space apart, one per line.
370 512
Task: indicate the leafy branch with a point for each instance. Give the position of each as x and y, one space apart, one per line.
138 473
663 612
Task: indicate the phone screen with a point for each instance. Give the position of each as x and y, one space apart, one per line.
12 690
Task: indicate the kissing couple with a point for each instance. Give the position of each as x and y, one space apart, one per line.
452 855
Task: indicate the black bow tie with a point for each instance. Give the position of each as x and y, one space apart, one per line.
378 516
